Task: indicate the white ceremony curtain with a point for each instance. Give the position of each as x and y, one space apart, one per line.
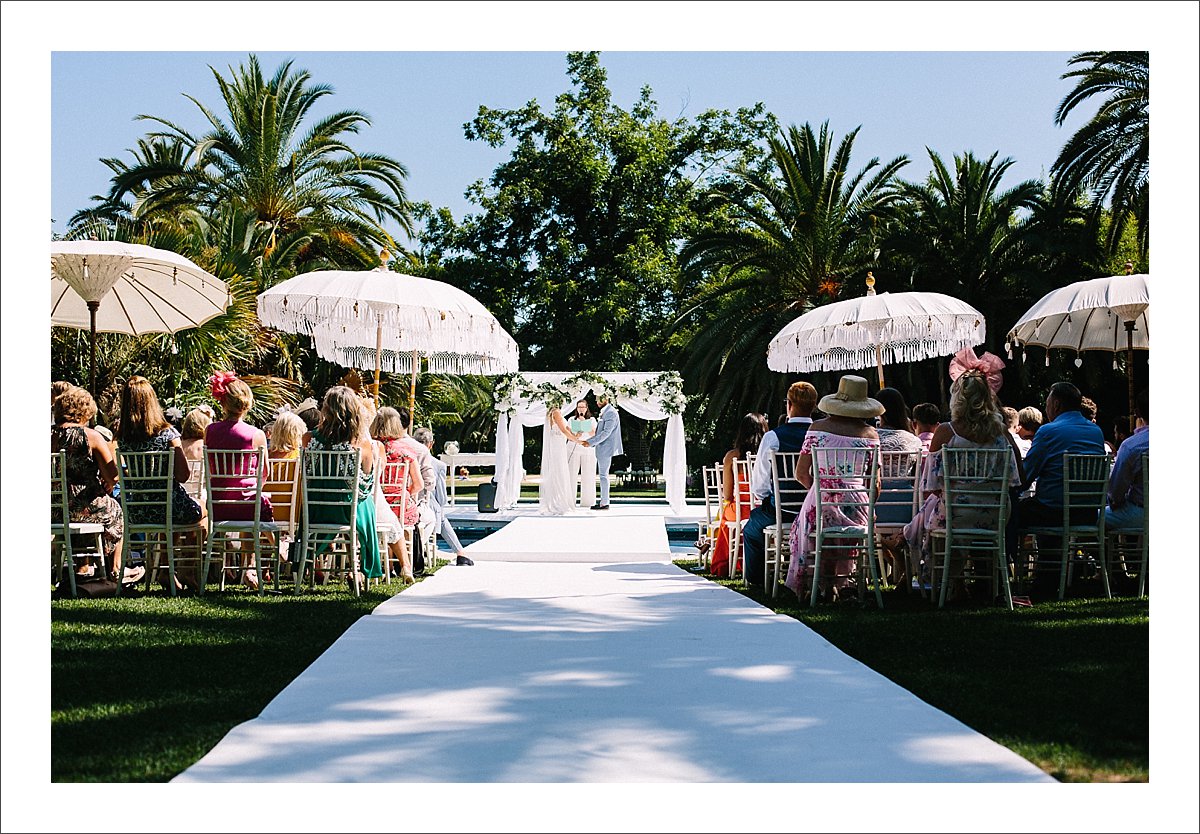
510 438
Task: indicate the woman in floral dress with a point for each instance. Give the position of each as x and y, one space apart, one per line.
845 427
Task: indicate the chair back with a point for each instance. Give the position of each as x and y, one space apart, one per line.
744 499
234 482
976 490
147 482
789 493
394 480
1085 486
195 482
712 496
330 482
899 492
60 514
280 482
846 476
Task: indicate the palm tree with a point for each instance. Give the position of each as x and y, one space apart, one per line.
303 184
785 237
1110 154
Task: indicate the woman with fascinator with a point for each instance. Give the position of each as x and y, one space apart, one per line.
976 422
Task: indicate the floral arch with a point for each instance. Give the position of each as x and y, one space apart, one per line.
523 399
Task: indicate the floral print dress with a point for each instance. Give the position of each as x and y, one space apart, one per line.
184 509
364 519
839 561
88 502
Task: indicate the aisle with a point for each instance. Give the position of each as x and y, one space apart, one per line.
635 671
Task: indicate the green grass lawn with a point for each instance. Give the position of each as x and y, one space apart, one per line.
1066 685
143 687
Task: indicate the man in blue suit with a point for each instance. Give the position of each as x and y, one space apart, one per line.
607 442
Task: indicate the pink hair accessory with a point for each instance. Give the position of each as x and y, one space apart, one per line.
990 365
220 382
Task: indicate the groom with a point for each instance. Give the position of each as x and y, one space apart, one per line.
607 442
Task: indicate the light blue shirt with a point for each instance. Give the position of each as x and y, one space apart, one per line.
1125 485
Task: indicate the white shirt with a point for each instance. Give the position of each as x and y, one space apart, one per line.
760 477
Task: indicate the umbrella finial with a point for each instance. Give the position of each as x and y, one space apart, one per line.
384 257
870 283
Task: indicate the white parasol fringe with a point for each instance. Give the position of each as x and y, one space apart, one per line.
902 341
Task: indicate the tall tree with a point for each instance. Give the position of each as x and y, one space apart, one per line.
784 237
299 178
574 247
1110 154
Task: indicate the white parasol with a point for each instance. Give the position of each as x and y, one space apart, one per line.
108 286
1091 315
880 329
392 321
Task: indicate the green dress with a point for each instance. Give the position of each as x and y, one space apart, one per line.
364 519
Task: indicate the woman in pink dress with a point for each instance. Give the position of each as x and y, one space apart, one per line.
846 427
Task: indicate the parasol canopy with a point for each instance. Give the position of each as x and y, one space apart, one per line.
108 286
876 329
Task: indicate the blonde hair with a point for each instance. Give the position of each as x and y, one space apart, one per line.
194 424
1010 417
387 423
57 389
287 432
1029 418
75 405
974 412
238 399
141 415
341 415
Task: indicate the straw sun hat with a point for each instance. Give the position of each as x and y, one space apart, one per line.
851 400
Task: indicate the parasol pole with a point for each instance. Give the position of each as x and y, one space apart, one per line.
93 306
412 388
378 353
878 336
1130 326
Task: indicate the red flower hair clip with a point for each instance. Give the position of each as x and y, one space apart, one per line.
220 382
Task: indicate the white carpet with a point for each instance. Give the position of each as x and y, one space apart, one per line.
572 672
582 537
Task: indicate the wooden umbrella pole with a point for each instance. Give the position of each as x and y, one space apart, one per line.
1129 326
412 388
378 353
93 306
879 362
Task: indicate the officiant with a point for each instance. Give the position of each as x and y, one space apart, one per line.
582 462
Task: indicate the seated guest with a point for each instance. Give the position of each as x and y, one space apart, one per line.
926 417
234 434
1126 503
1066 432
57 389
1122 426
1089 410
847 425
440 502
339 430
1012 422
143 428
749 437
287 437
789 437
191 432
385 516
387 428
91 471
1029 420
895 430
309 412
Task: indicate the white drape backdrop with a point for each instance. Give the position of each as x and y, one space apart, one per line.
510 437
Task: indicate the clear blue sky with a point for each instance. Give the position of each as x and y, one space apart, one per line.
418 102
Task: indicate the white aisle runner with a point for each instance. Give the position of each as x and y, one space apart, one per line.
632 671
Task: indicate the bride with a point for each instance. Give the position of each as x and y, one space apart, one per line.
557 493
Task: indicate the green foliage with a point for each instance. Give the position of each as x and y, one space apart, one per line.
1109 156
574 246
781 238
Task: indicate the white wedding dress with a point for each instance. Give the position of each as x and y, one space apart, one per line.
557 493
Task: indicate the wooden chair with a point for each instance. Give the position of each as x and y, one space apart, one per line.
855 464
147 481
62 529
789 498
976 493
743 497
709 528
195 481
330 487
281 482
1119 549
1085 492
224 472
394 481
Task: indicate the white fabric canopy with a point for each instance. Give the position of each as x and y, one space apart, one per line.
518 411
1089 315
